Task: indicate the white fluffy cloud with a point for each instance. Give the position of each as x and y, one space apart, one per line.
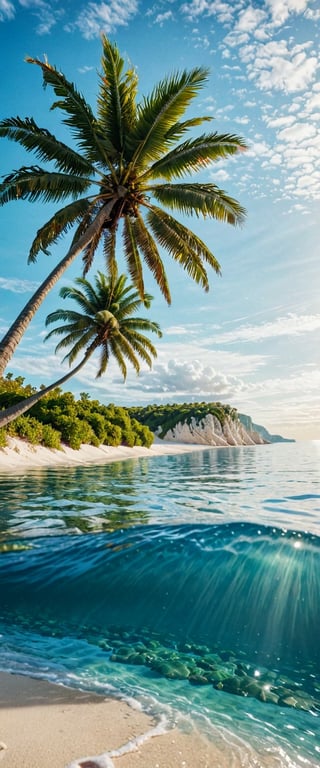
249 19
281 9
189 378
278 66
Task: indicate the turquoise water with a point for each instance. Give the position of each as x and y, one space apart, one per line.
190 583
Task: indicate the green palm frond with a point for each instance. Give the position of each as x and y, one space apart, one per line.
60 224
204 199
76 319
183 245
34 183
86 298
151 255
85 340
142 352
127 351
176 132
117 96
79 115
109 250
89 252
160 111
142 324
116 352
194 155
104 361
132 255
45 145
130 304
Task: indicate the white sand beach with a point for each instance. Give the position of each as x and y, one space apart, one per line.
19 455
49 726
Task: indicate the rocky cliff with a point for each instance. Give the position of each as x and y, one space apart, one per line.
202 423
267 436
210 431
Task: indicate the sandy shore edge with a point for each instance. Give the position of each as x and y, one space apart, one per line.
19 455
43 725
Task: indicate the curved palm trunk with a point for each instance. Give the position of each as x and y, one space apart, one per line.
18 328
9 414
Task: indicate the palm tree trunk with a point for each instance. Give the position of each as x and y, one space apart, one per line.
18 328
9 414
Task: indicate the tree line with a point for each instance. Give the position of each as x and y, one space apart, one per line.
61 418
162 418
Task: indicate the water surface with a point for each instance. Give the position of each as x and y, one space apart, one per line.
190 582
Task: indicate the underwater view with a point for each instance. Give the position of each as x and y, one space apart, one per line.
187 583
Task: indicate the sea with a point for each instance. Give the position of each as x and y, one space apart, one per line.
186 584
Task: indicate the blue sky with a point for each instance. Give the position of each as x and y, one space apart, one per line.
254 339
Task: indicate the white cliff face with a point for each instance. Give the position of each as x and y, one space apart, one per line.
209 431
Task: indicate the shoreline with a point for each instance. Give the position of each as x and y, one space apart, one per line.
45 725
20 455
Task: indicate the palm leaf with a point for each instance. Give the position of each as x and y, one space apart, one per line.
66 315
89 251
34 183
149 250
109 250
163 109
132 255
142 324
78 346
60 223
115 349
45 145
86 298
183 245
204 199
127 350
79 115
117 97
194 155
179 129
141 350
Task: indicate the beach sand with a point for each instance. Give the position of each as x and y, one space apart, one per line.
49 726
20 455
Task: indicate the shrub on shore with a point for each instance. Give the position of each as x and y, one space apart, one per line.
60 417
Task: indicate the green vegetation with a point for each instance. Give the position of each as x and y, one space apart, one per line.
59 417
168 416
126 167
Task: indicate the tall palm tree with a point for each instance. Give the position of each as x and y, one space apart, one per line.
125 160
107 321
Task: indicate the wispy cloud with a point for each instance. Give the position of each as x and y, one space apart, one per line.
162 17
291 325
7 10
105 17
17 286
46 14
